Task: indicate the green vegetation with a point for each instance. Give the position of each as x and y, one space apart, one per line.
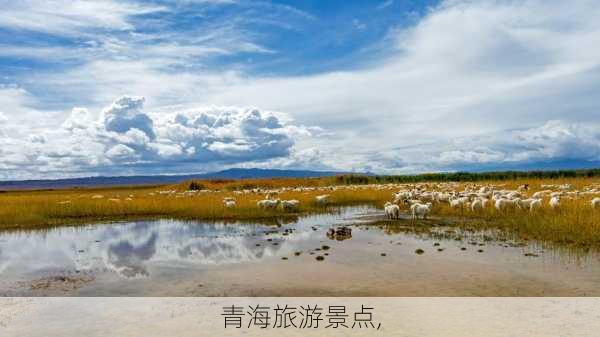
465 177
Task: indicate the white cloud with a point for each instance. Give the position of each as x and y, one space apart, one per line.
125 137
553 141
445 95
66 17
385 4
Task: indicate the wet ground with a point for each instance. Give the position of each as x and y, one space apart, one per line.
297 258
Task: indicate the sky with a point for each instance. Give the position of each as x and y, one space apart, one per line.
107 87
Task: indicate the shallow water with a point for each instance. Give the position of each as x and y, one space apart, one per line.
178 258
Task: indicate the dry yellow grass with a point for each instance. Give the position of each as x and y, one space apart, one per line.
576 222
39 209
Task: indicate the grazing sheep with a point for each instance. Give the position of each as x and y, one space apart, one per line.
554 202
478 204
420 210
595 203
458 202
513 195
289 205
272 195
392 211
526 203
229 203
268 204
322 199
503 204
535 204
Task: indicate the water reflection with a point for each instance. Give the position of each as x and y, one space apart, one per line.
131 250
249 259
128 259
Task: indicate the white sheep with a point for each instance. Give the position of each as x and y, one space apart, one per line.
420 210
392 211
289 205
272 195
503 204
526 203
322 199
229 203
458 202
535 204
595 203
554 202
268 204
478 204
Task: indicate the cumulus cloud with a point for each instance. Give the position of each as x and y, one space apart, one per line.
126 137
126 114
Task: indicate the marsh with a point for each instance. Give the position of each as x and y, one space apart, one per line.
292 257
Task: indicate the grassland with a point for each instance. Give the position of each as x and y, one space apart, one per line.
574 223
42 209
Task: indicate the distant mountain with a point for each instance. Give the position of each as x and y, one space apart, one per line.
234 173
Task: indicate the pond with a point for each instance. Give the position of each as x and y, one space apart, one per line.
290 257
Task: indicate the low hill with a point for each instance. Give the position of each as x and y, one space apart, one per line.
234 173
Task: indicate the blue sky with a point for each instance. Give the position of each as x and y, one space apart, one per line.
397 86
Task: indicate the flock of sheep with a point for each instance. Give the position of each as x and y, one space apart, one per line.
421 197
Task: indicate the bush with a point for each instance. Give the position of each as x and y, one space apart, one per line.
196 186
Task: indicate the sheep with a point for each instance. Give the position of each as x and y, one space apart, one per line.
503 204
289 205
595 203
229 203
420 210
392 211
535 204
554 202
458 202
478 204
97 196
513 195
401 196
272 195
268 204
322 199
526 203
